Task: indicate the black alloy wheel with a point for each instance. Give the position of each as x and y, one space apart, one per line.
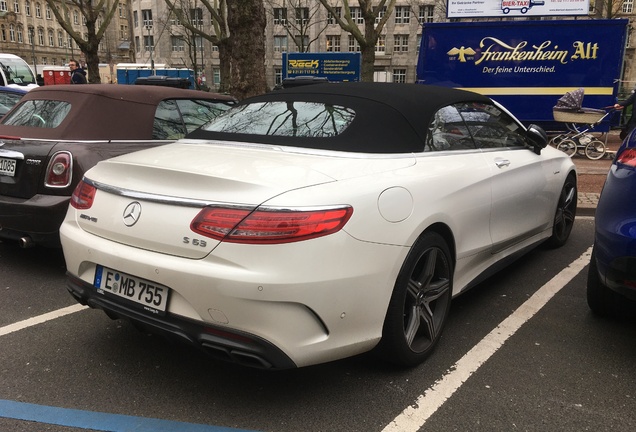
565 213
420 302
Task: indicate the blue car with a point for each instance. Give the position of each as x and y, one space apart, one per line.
612 271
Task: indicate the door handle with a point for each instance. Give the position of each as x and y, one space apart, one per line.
502 163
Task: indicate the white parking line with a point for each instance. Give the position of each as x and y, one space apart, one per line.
414 417
40 319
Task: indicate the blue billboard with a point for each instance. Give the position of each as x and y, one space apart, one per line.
526 65
335 66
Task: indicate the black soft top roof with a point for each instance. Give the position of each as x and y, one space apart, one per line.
390 117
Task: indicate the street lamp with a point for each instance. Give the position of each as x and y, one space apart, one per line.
151 46
32 34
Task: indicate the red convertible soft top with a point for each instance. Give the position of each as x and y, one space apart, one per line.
104 111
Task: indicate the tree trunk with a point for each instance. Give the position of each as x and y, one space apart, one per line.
225 55
246 20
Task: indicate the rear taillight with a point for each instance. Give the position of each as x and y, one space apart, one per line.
83 196
627 157
269 226
60 170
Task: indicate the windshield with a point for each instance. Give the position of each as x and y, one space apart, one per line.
16 71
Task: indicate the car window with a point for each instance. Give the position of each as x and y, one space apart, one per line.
168 124
281 118
38 113
491 127
196 113
8 101
447 131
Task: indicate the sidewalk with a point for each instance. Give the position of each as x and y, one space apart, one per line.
587 204
587 201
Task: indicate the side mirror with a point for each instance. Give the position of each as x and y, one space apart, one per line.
538 137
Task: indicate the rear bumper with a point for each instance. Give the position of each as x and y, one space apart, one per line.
38 218
221 343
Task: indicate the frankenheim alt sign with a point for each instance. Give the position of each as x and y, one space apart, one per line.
512 8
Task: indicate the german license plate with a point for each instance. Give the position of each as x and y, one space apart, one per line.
148 295
7 167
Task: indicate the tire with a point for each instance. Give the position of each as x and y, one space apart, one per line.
567 146
419 304
601 300
595 150
565 213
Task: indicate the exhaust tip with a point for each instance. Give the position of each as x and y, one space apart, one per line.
26 242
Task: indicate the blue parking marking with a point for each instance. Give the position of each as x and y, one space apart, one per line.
98 420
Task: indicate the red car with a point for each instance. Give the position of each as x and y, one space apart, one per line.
56 133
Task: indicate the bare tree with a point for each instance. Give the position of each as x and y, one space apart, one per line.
608 8
306 16
92 11
373 15
183 10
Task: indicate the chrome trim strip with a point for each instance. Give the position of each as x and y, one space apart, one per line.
157 198
11 154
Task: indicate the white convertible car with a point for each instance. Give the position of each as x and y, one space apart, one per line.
319 222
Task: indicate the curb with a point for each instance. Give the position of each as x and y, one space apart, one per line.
587 204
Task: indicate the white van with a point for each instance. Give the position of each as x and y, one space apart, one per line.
15 72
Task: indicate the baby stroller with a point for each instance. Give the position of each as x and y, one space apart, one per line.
579 121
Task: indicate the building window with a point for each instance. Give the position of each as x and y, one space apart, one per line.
401 43
196 17
123 32
302 16
3 6
426 14
380 15
149 43
122 10
280 43
47 12
354 46
40 37
135 19
38 10
45 60
16 6
137 44
331 19
302 42
51 38
11 33
356 15
27 8
216 76
19 33
628 6
278 76
146 16
280 16
174 17
178 44
333 43
402 15
3 33
75 17
380 45
399 76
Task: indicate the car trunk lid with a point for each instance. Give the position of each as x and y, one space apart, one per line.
22 166
171 185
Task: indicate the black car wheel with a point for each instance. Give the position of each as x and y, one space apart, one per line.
602 300
420 302
565 214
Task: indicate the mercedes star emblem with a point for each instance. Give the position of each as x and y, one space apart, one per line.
132 213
